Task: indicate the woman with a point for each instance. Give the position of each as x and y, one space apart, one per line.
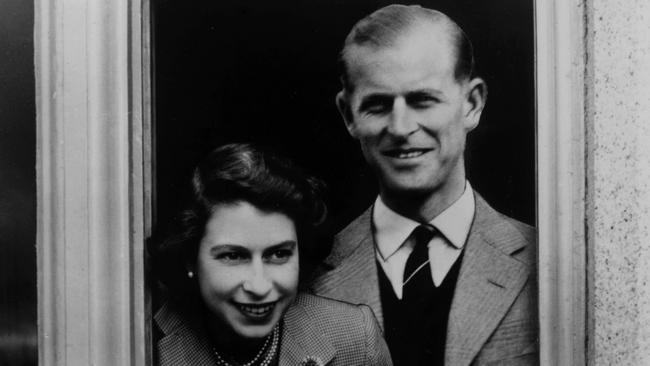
233 268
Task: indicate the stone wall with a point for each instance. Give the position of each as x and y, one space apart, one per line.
618 180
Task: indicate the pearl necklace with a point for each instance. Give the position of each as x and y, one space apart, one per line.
270 355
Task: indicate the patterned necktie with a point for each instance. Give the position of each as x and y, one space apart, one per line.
417 275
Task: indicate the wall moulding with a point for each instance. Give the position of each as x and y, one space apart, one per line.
92 72
560 76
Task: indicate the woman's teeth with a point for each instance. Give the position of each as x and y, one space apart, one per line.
256 310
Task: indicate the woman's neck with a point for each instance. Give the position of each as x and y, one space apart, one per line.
230 344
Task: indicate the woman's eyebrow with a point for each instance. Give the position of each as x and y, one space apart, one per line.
287 244
226 247
240 248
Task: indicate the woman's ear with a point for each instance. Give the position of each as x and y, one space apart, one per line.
475 98
343 105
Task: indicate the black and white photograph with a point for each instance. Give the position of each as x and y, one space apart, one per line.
324 182
410 115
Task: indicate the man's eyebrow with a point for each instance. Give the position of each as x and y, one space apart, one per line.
424 93
382 97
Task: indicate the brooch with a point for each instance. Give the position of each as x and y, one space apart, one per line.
312 361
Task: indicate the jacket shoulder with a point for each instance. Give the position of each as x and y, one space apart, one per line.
528 232
352 329
507 234
528 253
346 240
325 310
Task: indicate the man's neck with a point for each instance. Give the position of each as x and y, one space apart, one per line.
422 207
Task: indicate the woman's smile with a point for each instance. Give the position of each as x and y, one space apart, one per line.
248 267
256 312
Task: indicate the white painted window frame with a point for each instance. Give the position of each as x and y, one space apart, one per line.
92 61
561 180
94 143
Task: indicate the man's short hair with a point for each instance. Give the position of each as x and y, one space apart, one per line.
382 29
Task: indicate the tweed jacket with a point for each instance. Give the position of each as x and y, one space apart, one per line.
317 332
493 315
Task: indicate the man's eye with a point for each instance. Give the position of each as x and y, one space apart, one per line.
377 108
377 105
280 256
422 101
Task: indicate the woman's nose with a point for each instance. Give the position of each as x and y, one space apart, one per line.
257 282
401 123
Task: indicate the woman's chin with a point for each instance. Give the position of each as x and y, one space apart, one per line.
259 326
254 332
256 322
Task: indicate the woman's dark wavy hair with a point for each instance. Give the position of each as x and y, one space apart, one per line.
230 174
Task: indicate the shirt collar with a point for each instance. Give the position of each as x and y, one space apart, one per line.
392 229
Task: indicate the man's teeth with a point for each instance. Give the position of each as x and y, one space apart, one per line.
406 155
257 309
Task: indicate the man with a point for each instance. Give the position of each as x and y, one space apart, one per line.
451 280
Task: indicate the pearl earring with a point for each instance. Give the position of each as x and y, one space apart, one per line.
190 274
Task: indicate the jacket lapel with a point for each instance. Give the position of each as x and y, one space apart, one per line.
351 267
489 281
301 342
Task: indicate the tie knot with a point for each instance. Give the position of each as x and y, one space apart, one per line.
424 233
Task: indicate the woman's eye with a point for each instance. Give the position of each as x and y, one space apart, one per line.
280 256
230 257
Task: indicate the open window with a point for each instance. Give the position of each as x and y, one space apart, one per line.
130 94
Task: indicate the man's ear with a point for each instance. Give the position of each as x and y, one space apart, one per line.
475 99
346 112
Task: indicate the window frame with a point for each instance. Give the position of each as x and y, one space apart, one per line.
95 180
94 186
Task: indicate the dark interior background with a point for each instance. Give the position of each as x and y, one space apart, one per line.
261 71
266 72
18 334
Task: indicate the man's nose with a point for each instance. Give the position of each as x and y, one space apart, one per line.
401 121
257 282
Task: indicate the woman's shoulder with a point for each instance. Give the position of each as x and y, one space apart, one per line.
351 329
324 307
334 317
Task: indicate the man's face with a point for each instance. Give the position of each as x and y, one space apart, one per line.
410 114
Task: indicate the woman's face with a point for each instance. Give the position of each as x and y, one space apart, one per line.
247 267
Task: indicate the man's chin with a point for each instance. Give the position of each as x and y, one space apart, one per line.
406 190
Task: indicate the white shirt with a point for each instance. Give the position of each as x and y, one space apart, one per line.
392 229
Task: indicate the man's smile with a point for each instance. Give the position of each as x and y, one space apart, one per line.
405 153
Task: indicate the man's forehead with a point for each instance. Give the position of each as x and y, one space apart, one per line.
422 34
417 53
